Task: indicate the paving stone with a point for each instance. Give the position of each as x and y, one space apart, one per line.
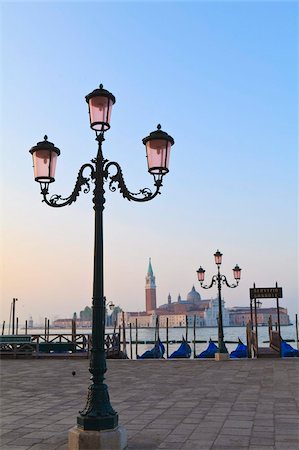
223 439
262 441
238 424
16 447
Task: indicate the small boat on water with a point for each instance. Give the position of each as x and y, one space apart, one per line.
240 351
287 350
209 352
156 352
184 351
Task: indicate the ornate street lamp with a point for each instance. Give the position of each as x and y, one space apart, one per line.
219 279
98 413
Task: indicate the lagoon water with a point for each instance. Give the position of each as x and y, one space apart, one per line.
175 334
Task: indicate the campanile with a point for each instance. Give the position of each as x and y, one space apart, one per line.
150 290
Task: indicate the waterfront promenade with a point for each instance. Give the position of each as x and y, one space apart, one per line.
174 404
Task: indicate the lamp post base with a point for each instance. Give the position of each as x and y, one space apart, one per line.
221 356
115 439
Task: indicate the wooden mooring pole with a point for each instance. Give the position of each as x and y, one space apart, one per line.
186 328
124 333
136 337
17 325
167 342
26 326
131 347
194 335
296 319
74 331
3 327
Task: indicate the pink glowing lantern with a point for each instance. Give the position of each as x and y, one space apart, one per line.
44 155
158 145
100 102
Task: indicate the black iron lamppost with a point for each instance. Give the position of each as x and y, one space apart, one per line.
98 413
219 279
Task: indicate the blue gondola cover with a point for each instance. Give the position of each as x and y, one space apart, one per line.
240 351
287 350
155 353
184 351
209 352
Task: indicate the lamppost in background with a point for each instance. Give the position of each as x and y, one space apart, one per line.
98 413
109 304
111 307
219 279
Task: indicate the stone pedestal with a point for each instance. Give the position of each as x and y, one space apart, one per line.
221 356
115 439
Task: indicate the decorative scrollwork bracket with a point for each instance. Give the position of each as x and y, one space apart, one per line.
224 281
55 199
145 194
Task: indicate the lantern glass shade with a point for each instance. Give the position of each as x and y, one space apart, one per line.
237 272
218 257
44 156
201 274
158 153
100 103
158 145
100 113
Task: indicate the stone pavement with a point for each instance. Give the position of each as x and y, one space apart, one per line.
174 404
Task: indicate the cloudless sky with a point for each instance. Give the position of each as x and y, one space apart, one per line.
221 78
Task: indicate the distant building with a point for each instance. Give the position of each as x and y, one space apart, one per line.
240 316
67 323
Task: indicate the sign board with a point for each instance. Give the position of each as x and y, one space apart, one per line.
275 292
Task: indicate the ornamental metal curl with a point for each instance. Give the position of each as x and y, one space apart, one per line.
214 280
224 281
118 178
220 278
81 181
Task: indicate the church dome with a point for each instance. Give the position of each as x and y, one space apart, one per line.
193 296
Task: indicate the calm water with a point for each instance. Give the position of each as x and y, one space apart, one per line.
202 334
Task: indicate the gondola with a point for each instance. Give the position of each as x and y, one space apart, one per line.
240 351
209 352
184 350
287 350
156 352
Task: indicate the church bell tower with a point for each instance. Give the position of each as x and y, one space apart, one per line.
150 290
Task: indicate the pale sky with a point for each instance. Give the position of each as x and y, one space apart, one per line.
221 78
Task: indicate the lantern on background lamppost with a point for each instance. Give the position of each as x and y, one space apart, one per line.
98 413
219 279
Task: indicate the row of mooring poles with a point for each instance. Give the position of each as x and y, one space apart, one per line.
123 329
122 332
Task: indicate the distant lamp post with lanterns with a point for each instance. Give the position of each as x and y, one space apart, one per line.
110 305
98 414
218 280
